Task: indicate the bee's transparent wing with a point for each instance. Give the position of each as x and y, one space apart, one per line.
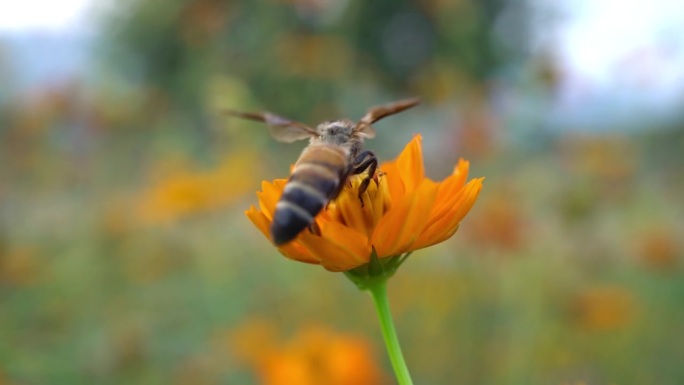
282 129
379 112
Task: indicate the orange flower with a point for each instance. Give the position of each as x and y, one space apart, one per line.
320 356
186 190
604 308
403 211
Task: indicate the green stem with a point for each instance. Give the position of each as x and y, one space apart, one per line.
378 289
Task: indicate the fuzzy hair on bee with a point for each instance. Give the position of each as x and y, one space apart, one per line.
335 152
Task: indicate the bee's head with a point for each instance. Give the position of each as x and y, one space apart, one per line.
337 132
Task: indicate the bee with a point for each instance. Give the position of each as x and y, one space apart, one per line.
335 152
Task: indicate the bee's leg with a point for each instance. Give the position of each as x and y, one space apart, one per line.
365 161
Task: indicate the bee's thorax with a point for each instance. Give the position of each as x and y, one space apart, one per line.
339 133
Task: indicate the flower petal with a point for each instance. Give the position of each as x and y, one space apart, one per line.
296 251
351 213
454 182
393 177
339 248
450 193
461 171
292 250
379 200
445 226
342 235
260 221
269 195
405 220
410 164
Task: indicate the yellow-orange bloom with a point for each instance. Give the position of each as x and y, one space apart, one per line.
186 190
604 308
319 356
402 211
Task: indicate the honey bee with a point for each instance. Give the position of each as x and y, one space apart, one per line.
334 153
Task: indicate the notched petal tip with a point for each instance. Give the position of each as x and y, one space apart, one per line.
462 167
446 218
410 164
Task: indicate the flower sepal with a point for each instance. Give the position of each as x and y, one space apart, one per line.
377 269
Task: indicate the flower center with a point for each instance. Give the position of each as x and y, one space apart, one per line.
361 212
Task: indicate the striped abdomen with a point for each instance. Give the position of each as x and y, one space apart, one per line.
317 178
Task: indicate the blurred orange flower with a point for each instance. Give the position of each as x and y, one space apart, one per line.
603 308
185 192
19 266
403 211
499 222
659 249
315 355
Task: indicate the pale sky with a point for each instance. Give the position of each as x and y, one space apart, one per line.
625 57
607 49
41 15
600 36
595 36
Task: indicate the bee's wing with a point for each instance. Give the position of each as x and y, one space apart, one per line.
379 112
282 129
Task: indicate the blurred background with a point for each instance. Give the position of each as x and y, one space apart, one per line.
125 256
